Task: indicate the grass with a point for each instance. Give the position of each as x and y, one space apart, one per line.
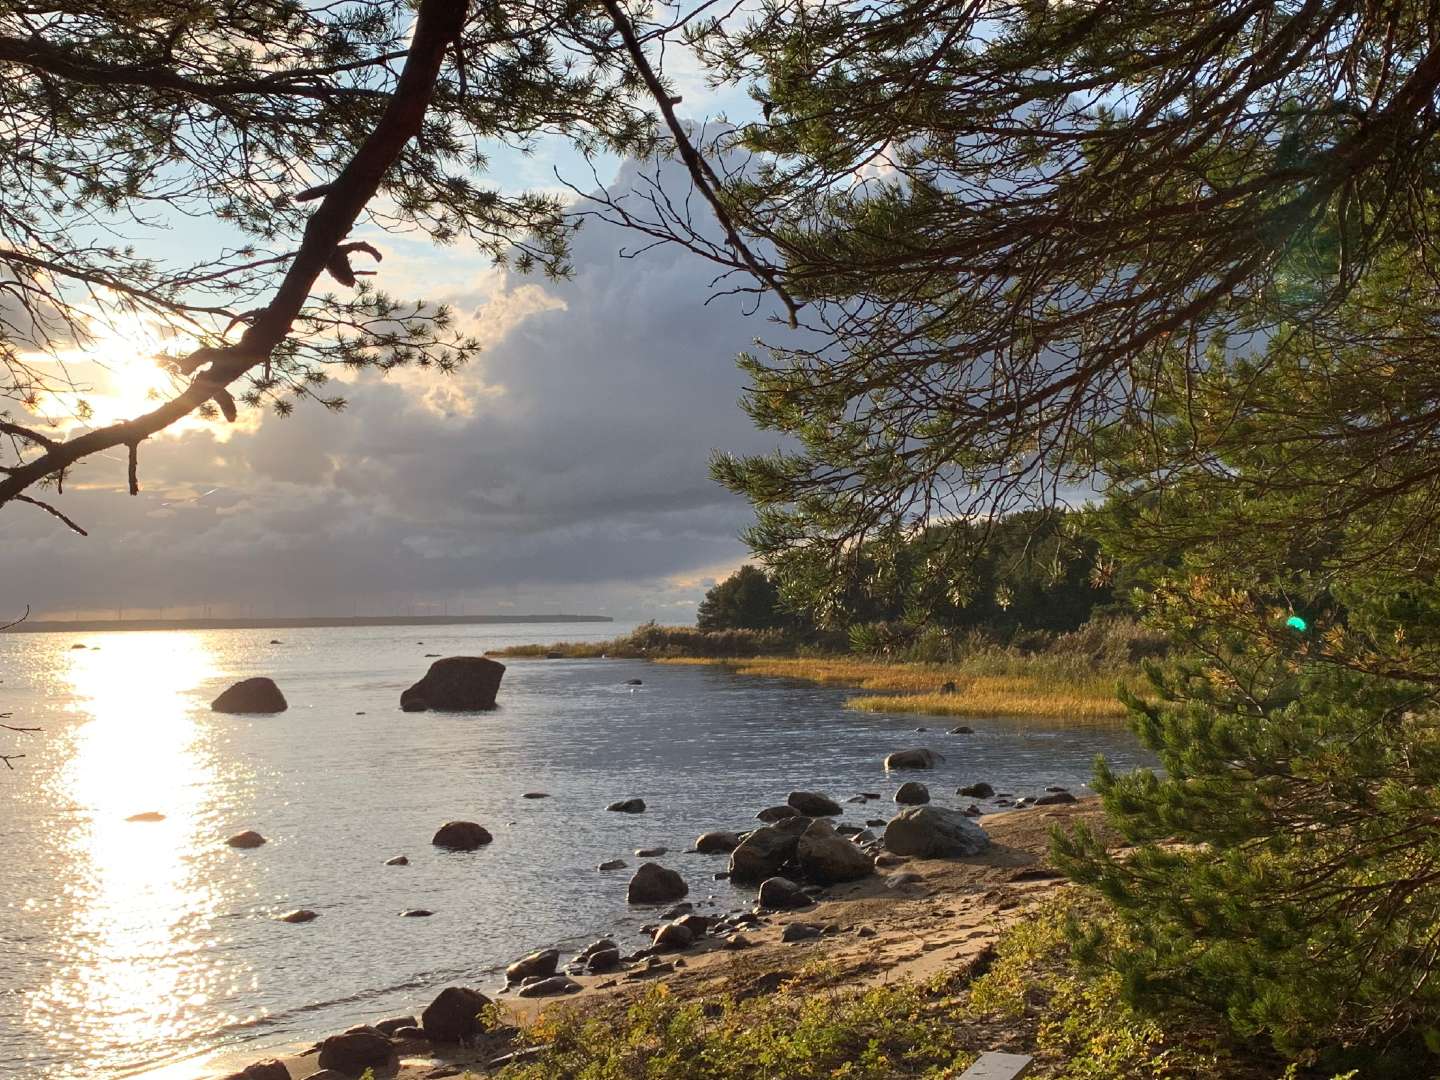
990 684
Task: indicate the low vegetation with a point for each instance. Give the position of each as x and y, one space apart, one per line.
1036 998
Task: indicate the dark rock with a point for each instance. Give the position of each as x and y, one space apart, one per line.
699 925
594 947
539 965
603 960
655 884
972 811
849 830
554 656
77 645
875 823
455 1015
612 864
247 839
535 795
634 682
276 641
148 815
551 987
976 791
672 937
628 806
1056 787
271 1069
650 852
299 915
456 684
799 931
934 832
913 759
780 893
717 843
398 860
395 1023
461 836
857 799
828 858
678 910
355 1051
871 795
1060 798
327 1074
813 804
765 851
416 913
912 793
409 1033
962 730
428 655
259 695
772 814
947 688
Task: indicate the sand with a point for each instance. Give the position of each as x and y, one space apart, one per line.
877 931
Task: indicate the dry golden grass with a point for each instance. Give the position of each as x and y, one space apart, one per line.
1034 686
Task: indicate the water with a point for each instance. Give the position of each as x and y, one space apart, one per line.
127 946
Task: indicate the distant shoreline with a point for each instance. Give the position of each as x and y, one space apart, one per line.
90 626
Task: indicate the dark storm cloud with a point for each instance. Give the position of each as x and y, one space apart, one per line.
567 465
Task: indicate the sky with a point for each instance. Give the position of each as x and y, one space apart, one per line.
564 470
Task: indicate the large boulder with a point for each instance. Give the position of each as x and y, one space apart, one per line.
259 695
934 832
813 804
456 684
355 1051
717 843
539 965
828 858
461 836
655 884
765 851
913 759
912 793
455 1015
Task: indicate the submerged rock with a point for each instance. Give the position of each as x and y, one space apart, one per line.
416 913
299 915
628 806
258 695
461 836
655 884
976 791
934 832
456 684
455 1015
913 759
247 839
813 804
612 864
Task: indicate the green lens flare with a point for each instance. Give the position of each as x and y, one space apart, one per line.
1294 622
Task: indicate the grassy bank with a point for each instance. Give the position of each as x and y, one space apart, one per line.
1070 676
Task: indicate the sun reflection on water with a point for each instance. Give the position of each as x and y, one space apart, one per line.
133 957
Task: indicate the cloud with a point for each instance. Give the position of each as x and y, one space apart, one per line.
565 468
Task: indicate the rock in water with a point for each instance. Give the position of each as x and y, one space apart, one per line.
456 684
976 791
247 839
827 858
259 695
455 1015
398 860
148 815
772 814
300 915
766 850
717 843
780 893
813 804
934 832
539 965
355 1051
461 836
913 759
912 793
628 806
655 884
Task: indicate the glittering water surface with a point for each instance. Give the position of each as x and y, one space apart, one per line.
129 945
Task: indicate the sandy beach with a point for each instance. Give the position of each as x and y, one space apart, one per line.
910 921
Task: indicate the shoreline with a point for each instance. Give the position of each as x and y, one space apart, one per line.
908 922
97 626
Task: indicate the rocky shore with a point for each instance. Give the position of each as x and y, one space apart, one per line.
930 894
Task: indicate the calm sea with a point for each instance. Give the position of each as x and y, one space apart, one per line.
129 947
